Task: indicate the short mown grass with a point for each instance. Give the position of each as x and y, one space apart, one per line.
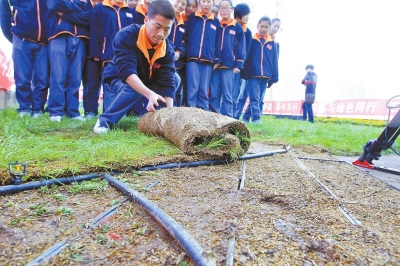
58 149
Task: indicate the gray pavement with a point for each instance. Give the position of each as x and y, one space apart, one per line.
388 161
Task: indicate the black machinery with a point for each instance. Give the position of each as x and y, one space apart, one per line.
373 148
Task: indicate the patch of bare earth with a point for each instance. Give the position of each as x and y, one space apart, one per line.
281 217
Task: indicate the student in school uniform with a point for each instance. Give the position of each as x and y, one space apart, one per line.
273 30
232 51
239 93
27 33
261 67
203 39
67 51
142 68
176 39
191 7
107 19
141 10
132 3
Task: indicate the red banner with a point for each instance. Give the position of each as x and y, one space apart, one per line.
354 108
6 72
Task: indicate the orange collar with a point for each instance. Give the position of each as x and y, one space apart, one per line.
210 15
109 3
141 9
244 26
143 44
180 19
231 22
184 17
258 38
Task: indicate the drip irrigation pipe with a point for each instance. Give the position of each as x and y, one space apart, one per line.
354 166
4 190
58 247
322 159
99 218
342 209
243 179
49 253
192 248
209 162
231 252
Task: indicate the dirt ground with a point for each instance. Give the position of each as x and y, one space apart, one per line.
282 216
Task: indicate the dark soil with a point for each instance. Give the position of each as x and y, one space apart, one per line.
281 217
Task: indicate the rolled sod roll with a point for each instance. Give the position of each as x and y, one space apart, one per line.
198 132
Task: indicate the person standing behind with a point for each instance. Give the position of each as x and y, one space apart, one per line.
239 93
143 66
275 26
259 72
27 34
67 50
232 51
215 10
191 7
203 40
141 10
107 19
176 38
132 3
310 81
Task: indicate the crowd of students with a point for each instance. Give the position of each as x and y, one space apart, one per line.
209 60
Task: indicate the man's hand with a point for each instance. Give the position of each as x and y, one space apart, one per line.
236 70
153 100
177 55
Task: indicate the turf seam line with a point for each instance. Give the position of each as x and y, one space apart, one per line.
343 210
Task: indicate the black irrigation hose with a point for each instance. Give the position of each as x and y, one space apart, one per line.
208 162
4 190
192 248
10 189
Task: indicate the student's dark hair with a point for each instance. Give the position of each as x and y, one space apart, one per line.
230 2
197 2
275 19
241 10
161 7
264 18
310 67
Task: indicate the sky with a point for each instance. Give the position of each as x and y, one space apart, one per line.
353 44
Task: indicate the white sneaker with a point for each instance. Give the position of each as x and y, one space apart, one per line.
37 115
55 118
23 114
80 118
100 129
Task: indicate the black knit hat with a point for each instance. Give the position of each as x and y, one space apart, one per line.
310 67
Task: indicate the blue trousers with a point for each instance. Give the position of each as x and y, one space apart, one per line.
67 58
198 77
307 110
179 90
255 88
221 85
91 81
31 74
122 98
182 75
241 98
